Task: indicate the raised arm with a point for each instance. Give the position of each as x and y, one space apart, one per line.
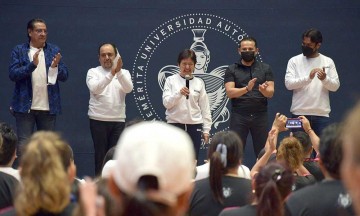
315 140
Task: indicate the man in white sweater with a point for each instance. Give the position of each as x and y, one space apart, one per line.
311 76
108 85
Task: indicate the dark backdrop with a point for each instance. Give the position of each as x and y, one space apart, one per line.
78 27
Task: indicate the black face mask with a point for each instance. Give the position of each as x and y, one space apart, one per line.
307 51
248 56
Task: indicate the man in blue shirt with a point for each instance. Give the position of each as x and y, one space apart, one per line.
36 68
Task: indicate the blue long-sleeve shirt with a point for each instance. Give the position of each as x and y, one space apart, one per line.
20 71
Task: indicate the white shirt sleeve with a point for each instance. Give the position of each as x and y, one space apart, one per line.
205 110
170 98
331 82
125 81
293 79
97 82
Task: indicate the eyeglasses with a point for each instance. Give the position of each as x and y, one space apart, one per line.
39 31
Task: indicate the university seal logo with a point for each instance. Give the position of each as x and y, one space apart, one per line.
214 40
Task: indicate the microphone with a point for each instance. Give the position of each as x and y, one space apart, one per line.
188 78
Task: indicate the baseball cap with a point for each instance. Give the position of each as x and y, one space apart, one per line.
156 149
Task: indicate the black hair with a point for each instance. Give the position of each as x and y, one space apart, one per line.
330 148
234 155
273 184
8 146
187 53
113 45
304 140
139 204
248 38
31 25
314 35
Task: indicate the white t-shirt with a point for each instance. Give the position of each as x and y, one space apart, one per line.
202 171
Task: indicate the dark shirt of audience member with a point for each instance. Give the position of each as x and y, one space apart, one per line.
8 150
311 164
223 188
327 197
8 185
290 152
46 174
350 166
273 182
272 157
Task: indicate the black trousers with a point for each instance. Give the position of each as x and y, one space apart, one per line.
195 132
255 123
104 135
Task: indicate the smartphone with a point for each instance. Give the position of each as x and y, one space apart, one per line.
293 123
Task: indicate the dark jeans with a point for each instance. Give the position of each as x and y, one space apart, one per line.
104 135
255 123
26 122
195 133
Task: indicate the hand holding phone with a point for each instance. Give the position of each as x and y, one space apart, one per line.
293 123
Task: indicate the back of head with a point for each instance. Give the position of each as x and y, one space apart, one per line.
272 185
331 150
304 140
290 152
45 182
225 152
8 144
154 167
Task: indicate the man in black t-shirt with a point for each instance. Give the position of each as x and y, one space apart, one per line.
328 197
249 83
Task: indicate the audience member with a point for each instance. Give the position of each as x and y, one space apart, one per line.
272 184
202 171
309 163
289 152
223 188
350 166
8 185
328 197
46 175
8 150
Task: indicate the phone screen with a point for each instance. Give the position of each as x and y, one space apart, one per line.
293 123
